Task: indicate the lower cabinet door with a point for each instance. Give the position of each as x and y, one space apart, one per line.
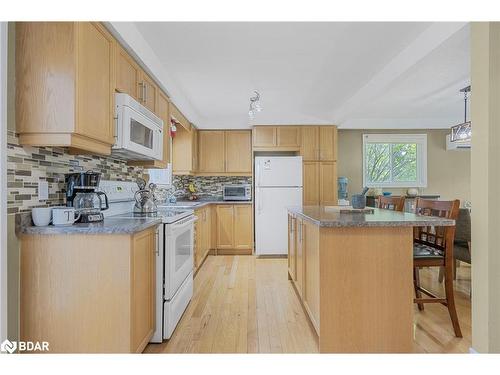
143 289
292 224
311 287
243 235
299 257
225 226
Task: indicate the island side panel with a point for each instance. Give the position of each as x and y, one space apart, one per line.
366 290
75 292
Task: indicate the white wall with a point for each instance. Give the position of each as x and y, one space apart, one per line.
485 161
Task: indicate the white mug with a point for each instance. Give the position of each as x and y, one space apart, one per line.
64 215
42 216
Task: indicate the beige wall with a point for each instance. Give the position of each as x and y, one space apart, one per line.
448 172
485 81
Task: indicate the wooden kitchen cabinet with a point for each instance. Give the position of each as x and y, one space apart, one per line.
128 73
277 138
311 183
148 92
310 143
292 251
88 293
311 287
203 231
234 229
225 226
238 151
184 144
224 152
143 288
319 143
328 190
319 183
212 151
264 136
65 75
299 257
243 223
303 264
288 136
328 143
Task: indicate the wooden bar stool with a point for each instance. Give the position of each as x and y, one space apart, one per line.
433 247
391 203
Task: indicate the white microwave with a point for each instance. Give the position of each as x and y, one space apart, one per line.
139 132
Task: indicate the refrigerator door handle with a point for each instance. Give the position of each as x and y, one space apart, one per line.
257 173
260 202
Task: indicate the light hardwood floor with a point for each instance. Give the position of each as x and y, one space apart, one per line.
244 304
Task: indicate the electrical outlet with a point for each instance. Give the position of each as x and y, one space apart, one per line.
43 190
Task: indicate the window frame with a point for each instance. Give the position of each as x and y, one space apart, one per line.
419 139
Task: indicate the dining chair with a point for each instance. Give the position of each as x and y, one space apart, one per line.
391 203
433 247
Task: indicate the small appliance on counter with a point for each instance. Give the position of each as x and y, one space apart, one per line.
82 194
241 192
145 201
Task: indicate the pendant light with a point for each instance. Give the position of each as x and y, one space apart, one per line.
462 132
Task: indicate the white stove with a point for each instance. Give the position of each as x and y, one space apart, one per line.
174 260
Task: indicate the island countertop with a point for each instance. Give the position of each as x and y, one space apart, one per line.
330 216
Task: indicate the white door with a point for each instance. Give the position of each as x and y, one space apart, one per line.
271 218
278 171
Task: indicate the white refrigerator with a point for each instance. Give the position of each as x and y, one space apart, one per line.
278 185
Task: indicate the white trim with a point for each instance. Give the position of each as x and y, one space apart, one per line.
3 180
419 139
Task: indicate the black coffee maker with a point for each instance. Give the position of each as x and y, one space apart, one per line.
80 182
82 195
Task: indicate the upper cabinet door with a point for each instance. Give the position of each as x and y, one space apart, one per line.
264 136
238 151
148 92
95 82
127 73
328 143
164 115
211 151
288 136
310 143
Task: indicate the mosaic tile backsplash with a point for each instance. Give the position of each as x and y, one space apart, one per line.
26 166
207 185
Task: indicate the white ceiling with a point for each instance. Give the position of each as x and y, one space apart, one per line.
356 75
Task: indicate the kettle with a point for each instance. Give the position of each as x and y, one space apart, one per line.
145 201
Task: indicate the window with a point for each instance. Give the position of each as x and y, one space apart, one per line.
395 160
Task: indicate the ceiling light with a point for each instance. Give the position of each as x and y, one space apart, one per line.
462 132
254 105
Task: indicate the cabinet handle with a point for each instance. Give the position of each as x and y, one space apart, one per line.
157 236
145 92
141 92
292 225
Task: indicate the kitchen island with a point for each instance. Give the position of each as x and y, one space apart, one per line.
353 273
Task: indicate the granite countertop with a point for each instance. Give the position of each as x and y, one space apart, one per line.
200 203
329 216
110 225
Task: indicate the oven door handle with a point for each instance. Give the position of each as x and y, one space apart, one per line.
181 224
